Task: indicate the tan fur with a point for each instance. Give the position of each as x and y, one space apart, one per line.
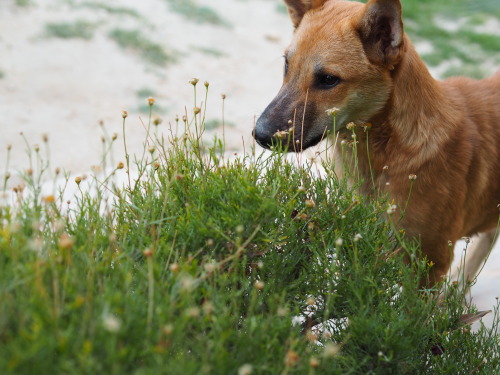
446 133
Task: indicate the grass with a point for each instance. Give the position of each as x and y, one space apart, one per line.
209 51
136 42
112 9
23 3
200 264
197 13
69 30
423 21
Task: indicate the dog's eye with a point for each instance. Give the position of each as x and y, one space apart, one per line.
326 81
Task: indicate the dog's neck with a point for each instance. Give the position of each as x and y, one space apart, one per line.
412 117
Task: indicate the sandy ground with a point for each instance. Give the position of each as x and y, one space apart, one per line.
65 87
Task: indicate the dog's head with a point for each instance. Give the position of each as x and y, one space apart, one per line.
341 56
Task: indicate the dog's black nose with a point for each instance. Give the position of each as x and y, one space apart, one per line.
263 138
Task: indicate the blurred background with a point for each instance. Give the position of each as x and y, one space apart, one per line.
69 67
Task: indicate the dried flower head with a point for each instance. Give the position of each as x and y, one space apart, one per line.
291 358
65 241
196 110
111 323
157 121
412 177
174 267
350 126
120 165
78 179
124 114
259 285
223 96
313 362
332 111
246 369
331 350
194 81
310 203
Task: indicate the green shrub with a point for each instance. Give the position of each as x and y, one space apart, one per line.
204 264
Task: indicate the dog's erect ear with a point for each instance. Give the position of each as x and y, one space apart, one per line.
381 30
297 8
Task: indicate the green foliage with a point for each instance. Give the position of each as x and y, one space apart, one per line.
23 3
135 41
197 13
111 9
201 264
66 30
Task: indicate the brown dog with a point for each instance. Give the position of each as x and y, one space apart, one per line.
357 58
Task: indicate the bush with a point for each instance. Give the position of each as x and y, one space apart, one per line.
203 264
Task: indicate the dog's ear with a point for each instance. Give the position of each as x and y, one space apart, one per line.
381 30
297 8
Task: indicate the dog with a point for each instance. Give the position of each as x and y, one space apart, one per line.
441 139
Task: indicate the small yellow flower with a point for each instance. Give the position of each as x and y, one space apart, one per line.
49 199
78 180
124 114
120 165
151 101
196 110
412 177
194 81
350 125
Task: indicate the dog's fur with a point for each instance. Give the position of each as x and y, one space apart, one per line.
357 58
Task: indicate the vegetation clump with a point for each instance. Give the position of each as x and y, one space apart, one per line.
202 263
